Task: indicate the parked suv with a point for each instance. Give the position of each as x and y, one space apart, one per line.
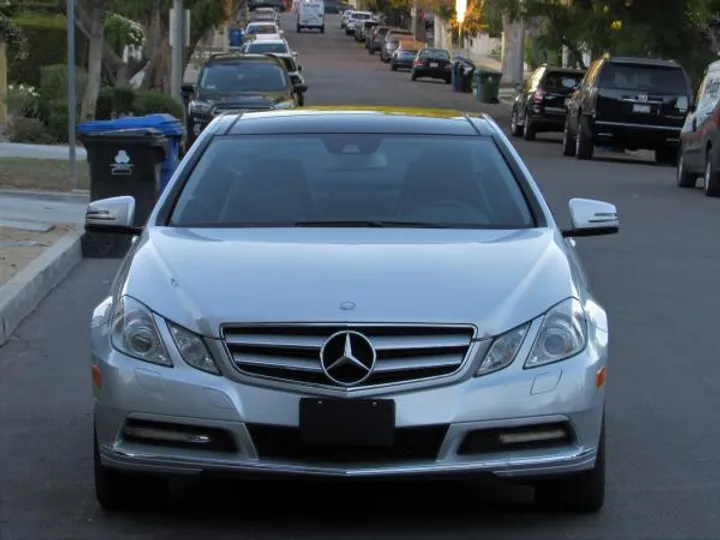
540 103
700 137
628 103
232 82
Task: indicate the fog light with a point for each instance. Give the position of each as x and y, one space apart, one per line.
532 436
166 435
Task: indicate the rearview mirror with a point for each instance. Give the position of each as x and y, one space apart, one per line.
592 218
188 88
113 215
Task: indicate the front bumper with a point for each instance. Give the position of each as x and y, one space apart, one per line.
261 422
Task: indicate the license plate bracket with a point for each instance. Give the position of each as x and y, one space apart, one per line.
641 108
347 422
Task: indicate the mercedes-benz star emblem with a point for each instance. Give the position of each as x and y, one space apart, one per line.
347 358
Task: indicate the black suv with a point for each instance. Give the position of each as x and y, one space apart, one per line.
231 82
628 103
540 103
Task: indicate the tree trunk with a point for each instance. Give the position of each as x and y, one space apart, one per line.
512 62
158 70
95 57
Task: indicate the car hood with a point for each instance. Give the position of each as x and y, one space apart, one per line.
496 280
249 99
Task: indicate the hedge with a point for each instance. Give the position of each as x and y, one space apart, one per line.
46 36
114 102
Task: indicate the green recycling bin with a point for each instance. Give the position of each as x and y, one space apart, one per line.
487 85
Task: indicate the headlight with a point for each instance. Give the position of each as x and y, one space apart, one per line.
193 349
200 107
503 350
135 334
563 334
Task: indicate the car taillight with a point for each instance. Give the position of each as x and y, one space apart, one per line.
538 96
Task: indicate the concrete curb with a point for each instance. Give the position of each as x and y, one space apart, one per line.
23 293
76 195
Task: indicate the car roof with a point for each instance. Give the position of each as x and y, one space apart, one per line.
262 23
271 40
641 60
359 119
222 58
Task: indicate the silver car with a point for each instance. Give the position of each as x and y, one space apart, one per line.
351 293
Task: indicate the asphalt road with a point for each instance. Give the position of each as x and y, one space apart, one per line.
658 279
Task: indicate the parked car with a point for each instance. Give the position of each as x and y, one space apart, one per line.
231 81
404 55
628 103
272 317
373 41
391 41
355 19
540 103
700 137
344 18
432 63
363 29
262 28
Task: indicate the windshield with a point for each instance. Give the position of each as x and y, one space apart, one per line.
641 78
352 180
262 29
243 77
438 54
258 47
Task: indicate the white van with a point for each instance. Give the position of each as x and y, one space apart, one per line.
311 14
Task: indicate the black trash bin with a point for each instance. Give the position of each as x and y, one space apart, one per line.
123 162
467 70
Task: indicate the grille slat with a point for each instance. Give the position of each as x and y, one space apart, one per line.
291 353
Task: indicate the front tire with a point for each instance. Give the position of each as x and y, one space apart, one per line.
118 491
684 178
582 492
322 29
301 100
515 129
568 144
393 67
712 178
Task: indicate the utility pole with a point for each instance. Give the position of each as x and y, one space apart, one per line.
177 40
71 90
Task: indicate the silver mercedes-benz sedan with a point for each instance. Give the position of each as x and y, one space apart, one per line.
351 293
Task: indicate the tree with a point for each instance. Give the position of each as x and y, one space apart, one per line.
97 9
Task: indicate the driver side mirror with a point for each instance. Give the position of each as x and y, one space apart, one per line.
188 88
114 215
592 218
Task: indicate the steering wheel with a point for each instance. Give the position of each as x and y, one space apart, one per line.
473 212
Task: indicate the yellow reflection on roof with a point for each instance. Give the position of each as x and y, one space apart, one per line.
401 111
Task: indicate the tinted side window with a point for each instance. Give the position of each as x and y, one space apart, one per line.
642 78
561 82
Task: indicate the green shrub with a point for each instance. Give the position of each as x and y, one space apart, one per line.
54 79
57 120
105 106
46 36
114 102
22 101
150 102
28 130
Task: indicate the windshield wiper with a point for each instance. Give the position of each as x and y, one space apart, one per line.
381 223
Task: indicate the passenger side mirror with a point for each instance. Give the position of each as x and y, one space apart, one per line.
592 218
114 215
188 88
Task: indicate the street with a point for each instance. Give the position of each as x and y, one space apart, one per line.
657 279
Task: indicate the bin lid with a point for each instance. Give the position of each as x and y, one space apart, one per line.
167 124
147 136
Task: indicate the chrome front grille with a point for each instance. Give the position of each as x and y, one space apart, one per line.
291 353
219 109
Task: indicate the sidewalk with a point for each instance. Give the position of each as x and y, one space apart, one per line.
39 151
